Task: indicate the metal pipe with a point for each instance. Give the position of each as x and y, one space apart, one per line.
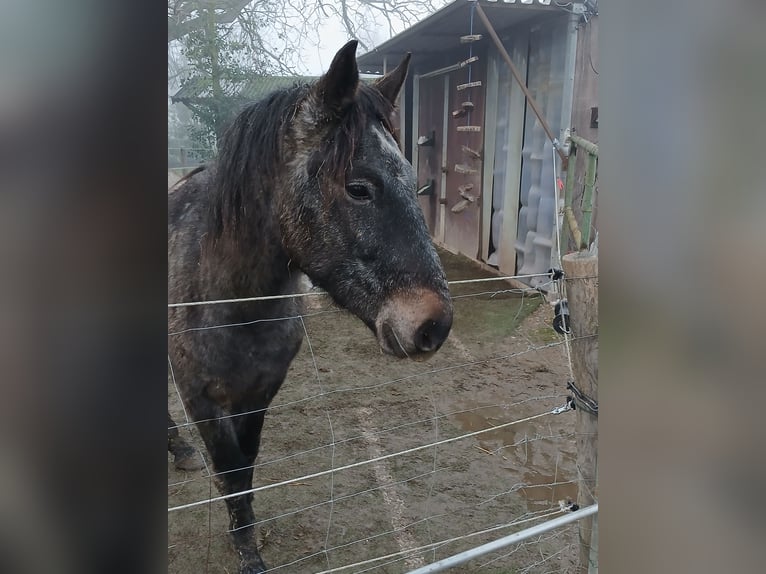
573 227
587 197
506 541
570 63
569 186
568 195
515 72
582 143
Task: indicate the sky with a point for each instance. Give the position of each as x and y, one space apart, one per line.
316 58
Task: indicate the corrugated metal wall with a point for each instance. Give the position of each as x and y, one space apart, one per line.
520 193
545 80
507 119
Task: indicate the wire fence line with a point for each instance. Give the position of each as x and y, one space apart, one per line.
491 294
381 432
553 510
384 383
434 542
357 464
398 556
441 543
513 489
507 541
319 292
437 546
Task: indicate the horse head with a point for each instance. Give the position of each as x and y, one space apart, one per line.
349 213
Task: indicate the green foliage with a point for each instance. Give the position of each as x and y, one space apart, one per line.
218 63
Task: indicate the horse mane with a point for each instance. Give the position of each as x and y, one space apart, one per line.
251 154
192 173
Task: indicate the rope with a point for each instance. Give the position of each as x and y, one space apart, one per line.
560 281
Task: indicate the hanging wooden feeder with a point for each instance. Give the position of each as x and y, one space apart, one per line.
470 152
467 39
463 168
428 188
467 196
465 107
461 87
427 140
467 200
469 128
460 206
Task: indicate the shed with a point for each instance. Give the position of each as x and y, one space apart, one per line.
487 172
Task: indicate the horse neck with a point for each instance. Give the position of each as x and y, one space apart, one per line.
250 261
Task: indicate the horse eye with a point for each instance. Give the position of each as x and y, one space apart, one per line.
359 192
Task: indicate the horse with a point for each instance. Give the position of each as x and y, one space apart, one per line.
309 180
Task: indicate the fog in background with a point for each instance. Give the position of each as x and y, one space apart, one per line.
83 104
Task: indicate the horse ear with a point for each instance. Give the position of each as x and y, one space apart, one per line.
337 87
390 84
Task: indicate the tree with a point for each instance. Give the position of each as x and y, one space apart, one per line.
276 28
185 16
225 42
218 63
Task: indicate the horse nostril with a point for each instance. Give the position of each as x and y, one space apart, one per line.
431 334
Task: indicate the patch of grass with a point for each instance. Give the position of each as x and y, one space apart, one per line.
494 317
460 266
544 335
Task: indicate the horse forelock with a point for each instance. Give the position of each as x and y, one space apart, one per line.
328 142
278 138
250 159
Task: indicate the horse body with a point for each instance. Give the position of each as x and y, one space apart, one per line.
309 180
199 271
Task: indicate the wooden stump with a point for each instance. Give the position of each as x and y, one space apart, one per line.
581 275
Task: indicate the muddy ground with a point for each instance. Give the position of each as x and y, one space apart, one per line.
502 362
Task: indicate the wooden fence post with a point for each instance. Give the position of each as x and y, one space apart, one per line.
581 275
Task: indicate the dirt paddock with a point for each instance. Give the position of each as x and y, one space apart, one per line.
344 402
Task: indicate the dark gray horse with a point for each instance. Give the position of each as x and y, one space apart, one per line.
309 180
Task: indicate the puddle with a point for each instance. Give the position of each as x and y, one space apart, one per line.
484 418
546 490
544 487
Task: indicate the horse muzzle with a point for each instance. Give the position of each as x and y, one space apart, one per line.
414 323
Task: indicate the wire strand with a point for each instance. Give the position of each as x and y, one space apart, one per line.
321 293
435 544
433 419
356 464
385 383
